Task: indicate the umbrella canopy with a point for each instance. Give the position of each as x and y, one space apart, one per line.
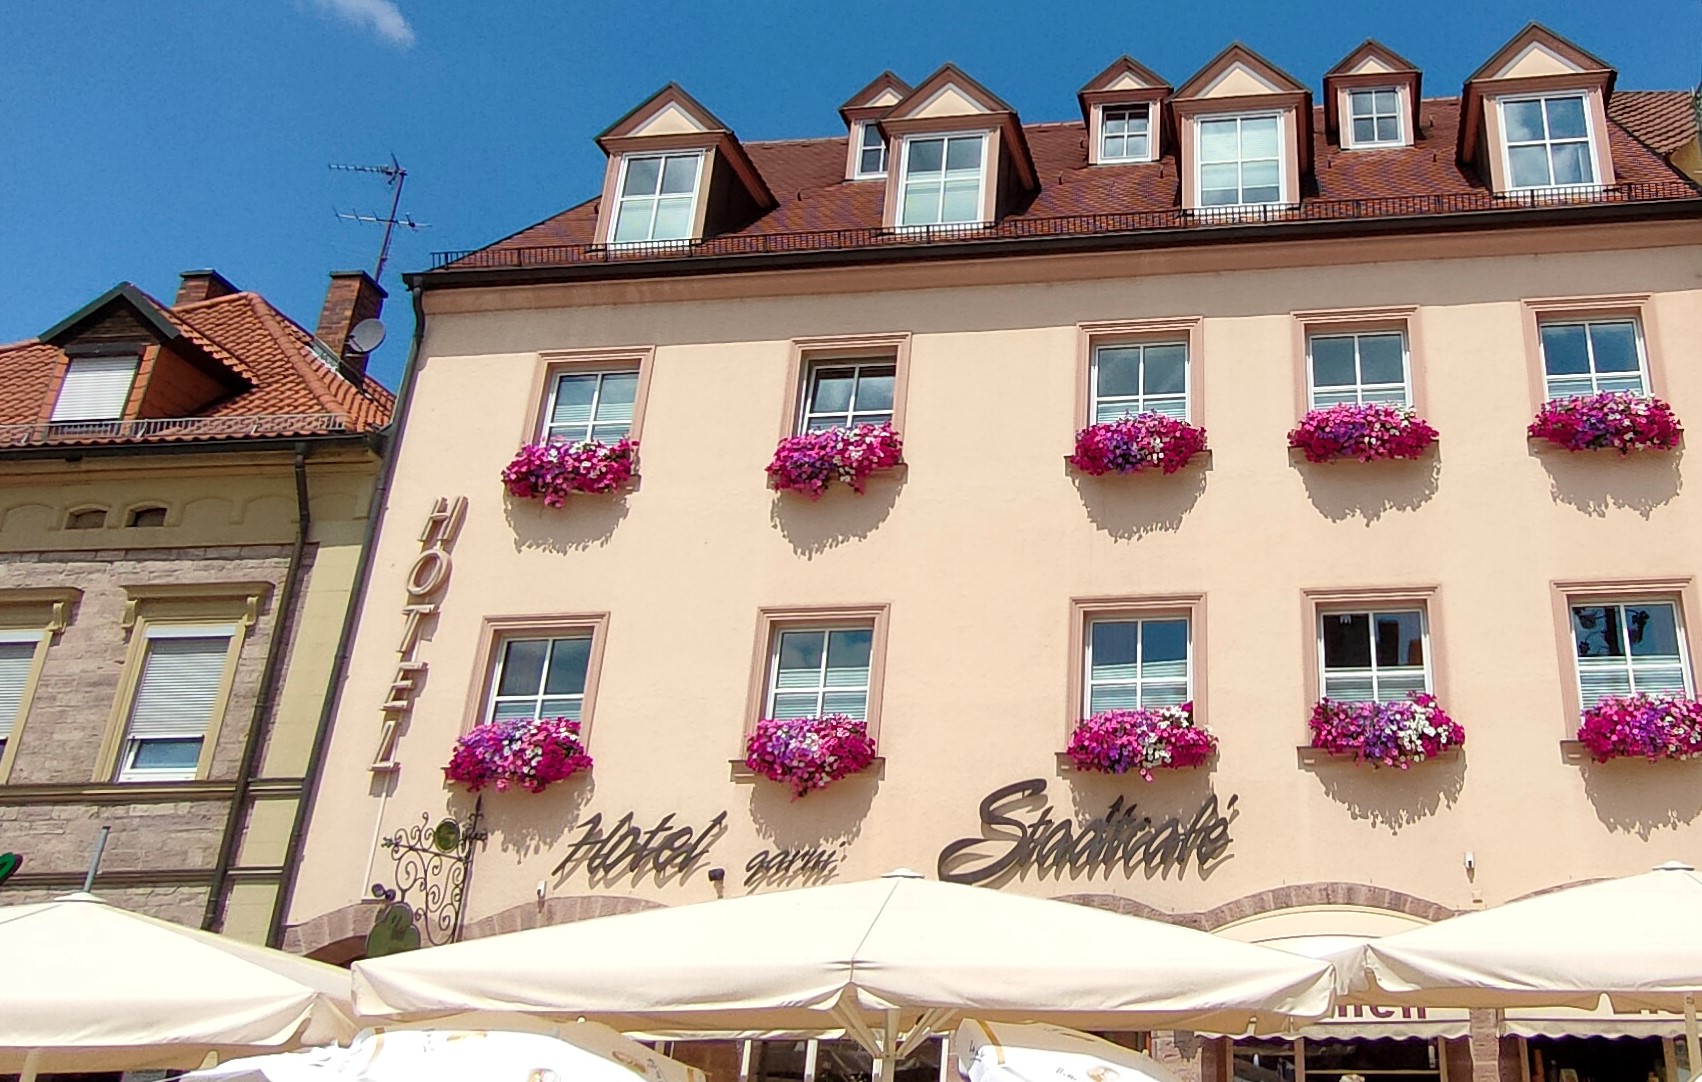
92 987
582 1052
857 955
1000 1052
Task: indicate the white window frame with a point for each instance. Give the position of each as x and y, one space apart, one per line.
1590 137
904 180
1359 386
548 422
1139 683
1131 108
863 128
129 745
1621 602
857 364
622 200
1590 348
1198 125
1371 613
771 682
1139 402
1352 141
499 656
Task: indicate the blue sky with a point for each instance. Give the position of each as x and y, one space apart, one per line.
139 139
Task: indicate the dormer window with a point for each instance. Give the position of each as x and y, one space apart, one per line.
943 180
95 389
658 197
1125 133
871 151
1240 160
1549 142
1374 117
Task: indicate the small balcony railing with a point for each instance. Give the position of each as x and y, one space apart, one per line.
173 428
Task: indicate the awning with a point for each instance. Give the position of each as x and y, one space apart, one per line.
1572 1022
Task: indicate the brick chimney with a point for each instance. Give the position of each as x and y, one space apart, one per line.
202 285
352 297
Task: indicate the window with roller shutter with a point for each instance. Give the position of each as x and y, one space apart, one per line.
1138 664
1374 656
1629 648
17 658
814 672
95 389
174 703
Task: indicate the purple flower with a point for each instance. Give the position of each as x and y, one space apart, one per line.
1370 431
555 469
1118 741
1618 419
810 462
809 753
1145 441
1653 726
1399 733
528 752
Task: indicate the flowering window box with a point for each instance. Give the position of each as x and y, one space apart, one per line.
555 469
1161 738
1398 733
1374 430
527 752
809 753
1651 726
814 460
1621 420
1146 441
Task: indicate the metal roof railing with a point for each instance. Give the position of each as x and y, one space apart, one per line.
1131 222
174 428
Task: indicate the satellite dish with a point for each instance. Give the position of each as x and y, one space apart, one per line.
367 336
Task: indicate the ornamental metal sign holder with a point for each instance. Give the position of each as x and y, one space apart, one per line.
432 864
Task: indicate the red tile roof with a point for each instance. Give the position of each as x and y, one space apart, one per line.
294 391
819 209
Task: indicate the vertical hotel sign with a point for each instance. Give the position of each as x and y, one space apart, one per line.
428 576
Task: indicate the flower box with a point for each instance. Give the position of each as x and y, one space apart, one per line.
528 752
809 753
814 460
1147 441
1621 420
555 469
1118 741
1652 726
1367 432
1398 733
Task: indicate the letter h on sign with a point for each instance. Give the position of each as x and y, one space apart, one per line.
427 577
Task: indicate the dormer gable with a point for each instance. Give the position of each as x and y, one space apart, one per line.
1244 133
676 174
1534 116
1371 99
1123 107
959 156
866 146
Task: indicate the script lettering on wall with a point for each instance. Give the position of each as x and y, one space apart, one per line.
1121 841
665 850
793 867
428 576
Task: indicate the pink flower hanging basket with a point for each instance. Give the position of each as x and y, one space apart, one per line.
1398 733
555 469
814 460
809 753
1621 420
527 752
1651 726
1161 738
1146 441
1367 432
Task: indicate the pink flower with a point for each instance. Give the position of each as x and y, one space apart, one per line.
1131 444
555 469
528 752
809 463
1399 733
1118 741
1370 431
1618 419
809 753
1653 726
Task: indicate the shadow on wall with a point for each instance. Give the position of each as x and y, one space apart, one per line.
1388 796
814 526
529 824
585 521
1595 481
1131 506
1368 490
1635 796
806 839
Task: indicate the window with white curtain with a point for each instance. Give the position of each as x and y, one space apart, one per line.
1588 356
1140 377
813 672
1138 664
591 406
173 707
95 389
17 659
656 199
943 179
540 678
1375 656
1549 141
1240 160
1629 648
1358 367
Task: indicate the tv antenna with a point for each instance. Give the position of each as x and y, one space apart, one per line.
394 177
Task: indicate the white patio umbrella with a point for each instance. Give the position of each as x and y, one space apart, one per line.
890 954
91 987
579 1051
1636 940
1001 1052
